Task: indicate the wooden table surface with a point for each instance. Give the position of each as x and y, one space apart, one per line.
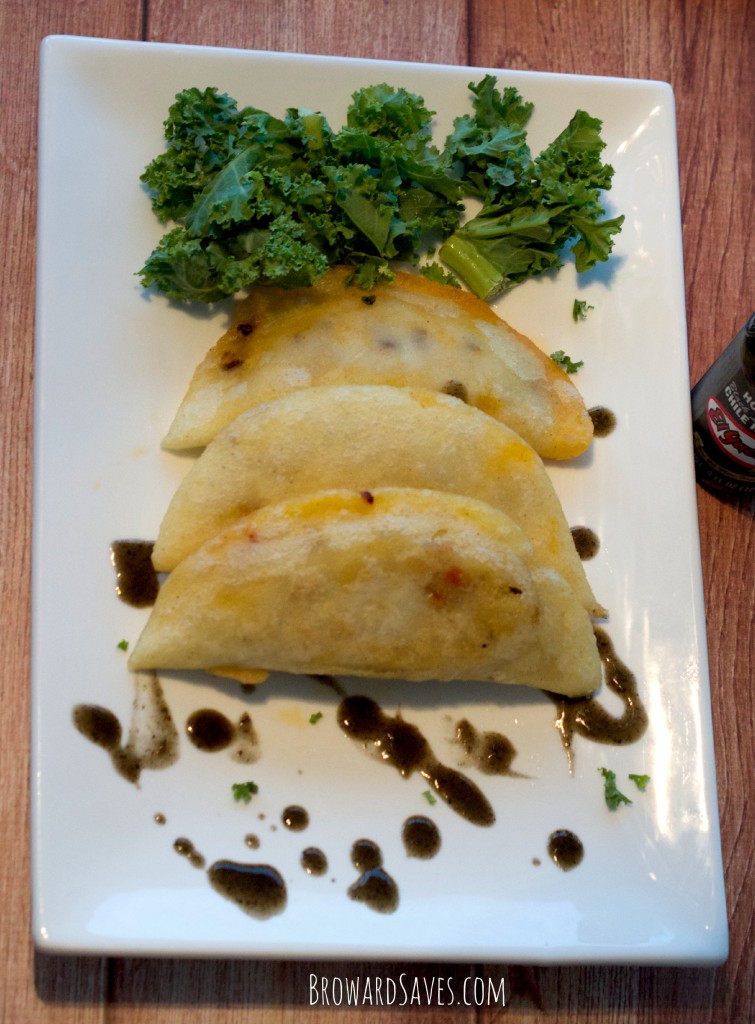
706 51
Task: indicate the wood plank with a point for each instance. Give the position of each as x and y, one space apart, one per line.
179 992
706 52
36 988
422 30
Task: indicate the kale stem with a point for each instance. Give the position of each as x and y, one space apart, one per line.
468 263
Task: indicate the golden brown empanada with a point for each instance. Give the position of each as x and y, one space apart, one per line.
399 582
410 332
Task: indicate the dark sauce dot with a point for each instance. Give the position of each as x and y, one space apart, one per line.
257 889
565 849
136 581
366 855
314 861
361 718
295 818
252 841
187 849
401 744
603 420
460 793
152 740
210 730
374 887
585 541
377 890
491 751
160 819
496 754
369 300
99 725
587 717
421 837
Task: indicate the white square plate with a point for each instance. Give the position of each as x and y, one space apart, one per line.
111 366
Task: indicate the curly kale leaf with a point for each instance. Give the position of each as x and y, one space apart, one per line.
533 209
260 199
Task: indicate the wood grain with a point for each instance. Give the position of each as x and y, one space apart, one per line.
248 991
31 987
387 29
707 52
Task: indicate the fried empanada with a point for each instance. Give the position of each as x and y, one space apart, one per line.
364 437
400 582
410 332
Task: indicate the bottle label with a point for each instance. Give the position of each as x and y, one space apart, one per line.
723 417
731 436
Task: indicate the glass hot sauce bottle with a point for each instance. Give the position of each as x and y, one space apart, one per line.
723 418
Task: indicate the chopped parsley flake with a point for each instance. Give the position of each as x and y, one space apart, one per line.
640 781
244 791
315 718
579 310
614 797
429 797
565 362
435 272
123 645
